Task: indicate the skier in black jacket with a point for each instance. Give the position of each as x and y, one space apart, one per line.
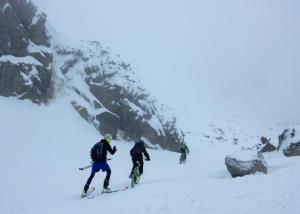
137 156
100 162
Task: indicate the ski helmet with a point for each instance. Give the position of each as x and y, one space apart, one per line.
108 137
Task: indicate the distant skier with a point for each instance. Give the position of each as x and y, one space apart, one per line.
99 157
184 150
137 156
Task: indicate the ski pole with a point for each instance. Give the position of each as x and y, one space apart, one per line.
88 166
85 167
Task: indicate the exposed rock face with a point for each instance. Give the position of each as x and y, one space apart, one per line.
292 150
25 56
38 65
108 95
289 142
245 162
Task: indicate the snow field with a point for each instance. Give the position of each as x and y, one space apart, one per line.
41 149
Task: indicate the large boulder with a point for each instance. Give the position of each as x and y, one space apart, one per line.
245 162
289 142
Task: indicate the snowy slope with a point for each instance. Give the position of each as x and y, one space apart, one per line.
41 154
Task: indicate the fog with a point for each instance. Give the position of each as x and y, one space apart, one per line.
198 55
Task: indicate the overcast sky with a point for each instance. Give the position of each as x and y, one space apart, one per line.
244 52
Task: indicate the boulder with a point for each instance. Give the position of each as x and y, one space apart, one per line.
289 142
292 150
268 147
245 162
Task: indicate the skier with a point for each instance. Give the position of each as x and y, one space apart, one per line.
183 150
137 156
99 157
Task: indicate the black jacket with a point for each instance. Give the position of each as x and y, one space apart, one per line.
138 150
184 149
106 147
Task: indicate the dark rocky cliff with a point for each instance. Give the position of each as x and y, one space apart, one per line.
25 56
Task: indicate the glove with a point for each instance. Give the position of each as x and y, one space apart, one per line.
147 159
115 148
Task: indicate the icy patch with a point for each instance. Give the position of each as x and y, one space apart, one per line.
33 48
20 60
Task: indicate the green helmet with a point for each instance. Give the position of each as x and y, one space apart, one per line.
108 137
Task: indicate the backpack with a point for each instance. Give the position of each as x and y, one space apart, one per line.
96 151
138 148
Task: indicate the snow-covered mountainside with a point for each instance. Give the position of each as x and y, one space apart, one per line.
38 64
40 171
25 54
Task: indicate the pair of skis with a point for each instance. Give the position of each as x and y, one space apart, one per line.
92 189
134 181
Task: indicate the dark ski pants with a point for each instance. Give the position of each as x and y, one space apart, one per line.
182 158
136 162
106 180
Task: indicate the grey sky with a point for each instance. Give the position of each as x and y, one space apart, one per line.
244 52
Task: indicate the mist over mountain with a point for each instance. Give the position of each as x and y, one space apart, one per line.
211 87
232 78
242 56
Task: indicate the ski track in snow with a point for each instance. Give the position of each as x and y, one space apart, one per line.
41 149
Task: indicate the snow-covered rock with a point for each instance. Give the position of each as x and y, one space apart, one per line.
265 145
289 142
245 162
268 147
106 93
24 72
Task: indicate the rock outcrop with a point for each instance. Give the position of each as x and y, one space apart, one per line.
245 162
25 54
268 147
289 142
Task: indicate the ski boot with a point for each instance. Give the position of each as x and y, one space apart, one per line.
135 177
106 189
84 191
131 175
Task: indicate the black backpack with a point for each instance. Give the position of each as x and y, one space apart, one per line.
96 151
138 148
